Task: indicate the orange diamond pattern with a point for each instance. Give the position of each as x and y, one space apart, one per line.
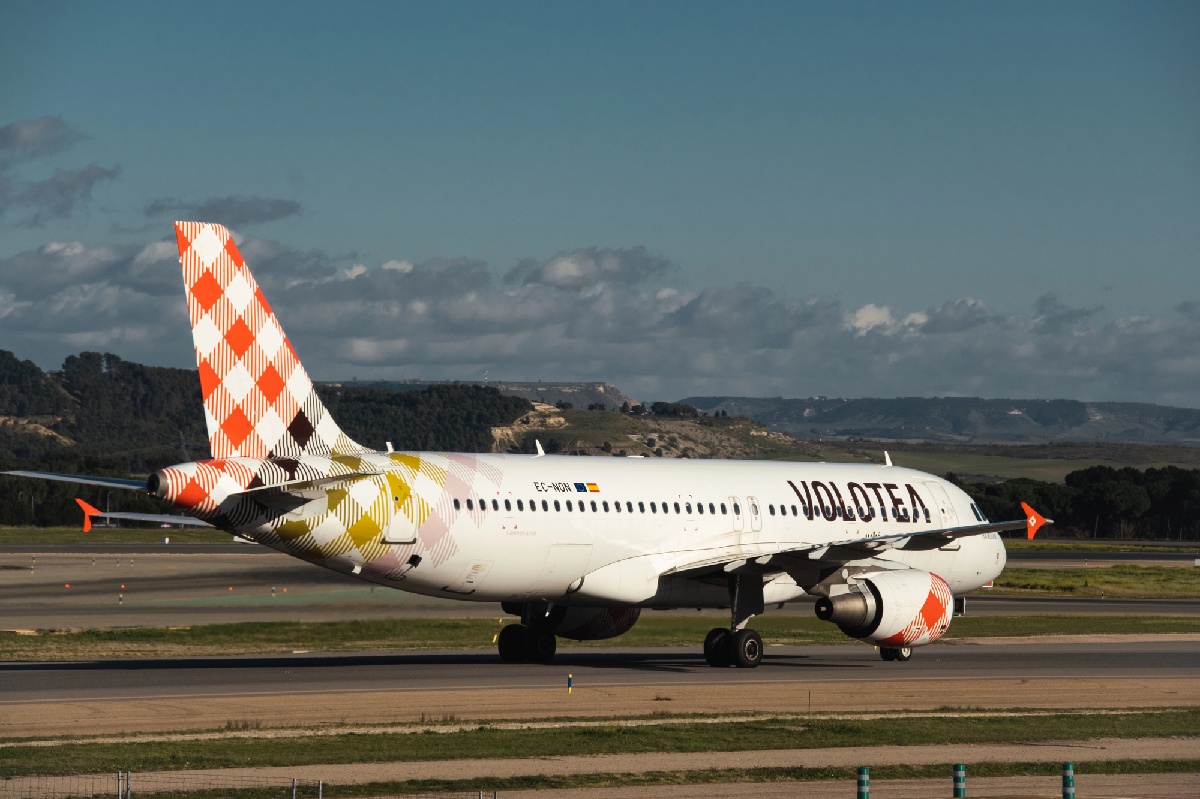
255 390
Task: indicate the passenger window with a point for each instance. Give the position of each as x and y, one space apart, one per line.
520 505
507 505
753 509
711 509
569 505
457 506
469 505
700 508
495 504
533 504
593 506
724 511
641 507
556 507
688 508
794 511
629 506
653 508
545 505
677 507
771 508
605 503
927 515
737 509
617 507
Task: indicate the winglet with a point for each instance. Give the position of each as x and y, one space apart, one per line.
88 513
1033 521
887 459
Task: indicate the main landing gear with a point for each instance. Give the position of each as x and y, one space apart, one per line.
895 653
530 641
738 645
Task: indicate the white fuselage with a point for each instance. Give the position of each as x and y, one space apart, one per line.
518 528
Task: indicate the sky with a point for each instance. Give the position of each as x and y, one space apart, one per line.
681 198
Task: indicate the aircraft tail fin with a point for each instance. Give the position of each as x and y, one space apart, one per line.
258 400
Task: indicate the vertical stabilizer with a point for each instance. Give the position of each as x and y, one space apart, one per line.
258 400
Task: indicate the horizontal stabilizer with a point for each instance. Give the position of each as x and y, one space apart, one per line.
90 513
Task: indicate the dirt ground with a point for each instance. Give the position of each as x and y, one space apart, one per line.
168 713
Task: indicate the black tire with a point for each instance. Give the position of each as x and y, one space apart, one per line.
511 643
540 647
904 653
716 648
746 649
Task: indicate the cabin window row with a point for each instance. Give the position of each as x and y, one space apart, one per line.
865 514
713 508
598 506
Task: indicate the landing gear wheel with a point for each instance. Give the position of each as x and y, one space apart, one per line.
746 649
540 647
511 643
893 653
887 653
904 653
716 648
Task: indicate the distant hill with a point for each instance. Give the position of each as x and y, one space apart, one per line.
580 395
964 419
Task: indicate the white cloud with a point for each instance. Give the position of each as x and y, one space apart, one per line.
451 319
871 317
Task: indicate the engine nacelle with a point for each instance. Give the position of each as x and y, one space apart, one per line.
892 608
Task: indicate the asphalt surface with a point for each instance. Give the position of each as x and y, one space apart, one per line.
483 671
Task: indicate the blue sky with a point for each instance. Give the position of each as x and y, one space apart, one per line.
847 199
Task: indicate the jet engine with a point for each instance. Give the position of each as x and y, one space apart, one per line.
902 608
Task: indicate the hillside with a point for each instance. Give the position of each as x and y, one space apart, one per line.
965 419
578 395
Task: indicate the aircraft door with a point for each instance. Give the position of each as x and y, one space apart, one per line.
755 514
405 514
735 507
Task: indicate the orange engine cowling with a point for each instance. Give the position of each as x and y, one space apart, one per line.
907 607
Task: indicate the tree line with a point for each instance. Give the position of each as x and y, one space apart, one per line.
102 415
1103 502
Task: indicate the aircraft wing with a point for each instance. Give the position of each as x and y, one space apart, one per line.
126 483
1032 522
837 550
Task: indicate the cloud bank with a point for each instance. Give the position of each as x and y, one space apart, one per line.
47 199
601 314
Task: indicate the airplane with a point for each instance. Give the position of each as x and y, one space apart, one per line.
575 547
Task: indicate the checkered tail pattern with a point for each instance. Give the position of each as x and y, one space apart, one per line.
258 400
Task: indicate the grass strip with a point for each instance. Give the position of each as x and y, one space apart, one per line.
1050 771
1099 546
399 635
486 742
111 535
1127 581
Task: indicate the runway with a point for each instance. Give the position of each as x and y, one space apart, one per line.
136 695
209 584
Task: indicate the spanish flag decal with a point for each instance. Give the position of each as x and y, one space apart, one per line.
595 489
